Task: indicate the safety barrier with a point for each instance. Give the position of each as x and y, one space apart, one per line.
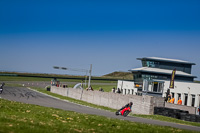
176 113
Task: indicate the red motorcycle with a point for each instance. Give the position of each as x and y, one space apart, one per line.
124 111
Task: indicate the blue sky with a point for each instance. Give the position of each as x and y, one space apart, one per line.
110 35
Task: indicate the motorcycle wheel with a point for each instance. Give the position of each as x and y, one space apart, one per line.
126 113
117 113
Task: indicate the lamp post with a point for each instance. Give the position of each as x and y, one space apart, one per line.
90 71
81 70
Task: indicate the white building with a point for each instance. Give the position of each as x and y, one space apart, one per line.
154 77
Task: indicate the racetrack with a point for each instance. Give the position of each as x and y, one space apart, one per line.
25 95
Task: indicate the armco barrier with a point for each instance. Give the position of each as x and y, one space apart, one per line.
141 104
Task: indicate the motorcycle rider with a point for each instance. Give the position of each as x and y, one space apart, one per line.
1 87
126 106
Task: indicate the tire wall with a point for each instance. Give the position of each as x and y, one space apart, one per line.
176 113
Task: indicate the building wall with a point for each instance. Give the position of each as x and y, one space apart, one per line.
141 104
127 87
180 88
184 88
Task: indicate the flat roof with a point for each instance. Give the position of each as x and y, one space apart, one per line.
166 60
161 71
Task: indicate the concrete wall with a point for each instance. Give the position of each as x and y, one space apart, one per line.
141 104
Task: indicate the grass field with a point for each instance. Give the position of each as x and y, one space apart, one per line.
17 78
106 88
17 117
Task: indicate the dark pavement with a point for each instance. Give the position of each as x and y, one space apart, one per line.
25 95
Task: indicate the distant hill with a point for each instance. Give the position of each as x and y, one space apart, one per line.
120 75
111 76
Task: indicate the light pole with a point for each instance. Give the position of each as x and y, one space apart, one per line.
90 71
81 70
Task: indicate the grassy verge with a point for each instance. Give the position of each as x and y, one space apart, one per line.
17 117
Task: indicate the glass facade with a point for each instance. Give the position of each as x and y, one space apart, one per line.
153 64
153 86
139 76
167 65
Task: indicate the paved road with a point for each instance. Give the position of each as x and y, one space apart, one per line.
25 95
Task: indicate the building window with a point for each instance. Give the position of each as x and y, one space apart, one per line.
137 76
153 64
144 63
153 86
172 94
193 100
186 98
160 87
162 77
149 77
132 91
179 95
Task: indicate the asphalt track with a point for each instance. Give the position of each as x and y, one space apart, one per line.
25 95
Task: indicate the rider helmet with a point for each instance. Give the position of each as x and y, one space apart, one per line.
131 103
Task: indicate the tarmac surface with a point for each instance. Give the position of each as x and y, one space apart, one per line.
25 95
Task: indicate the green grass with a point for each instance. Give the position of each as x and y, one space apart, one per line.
106 88
17 117
17 78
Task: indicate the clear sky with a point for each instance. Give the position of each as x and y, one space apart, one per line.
36 35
